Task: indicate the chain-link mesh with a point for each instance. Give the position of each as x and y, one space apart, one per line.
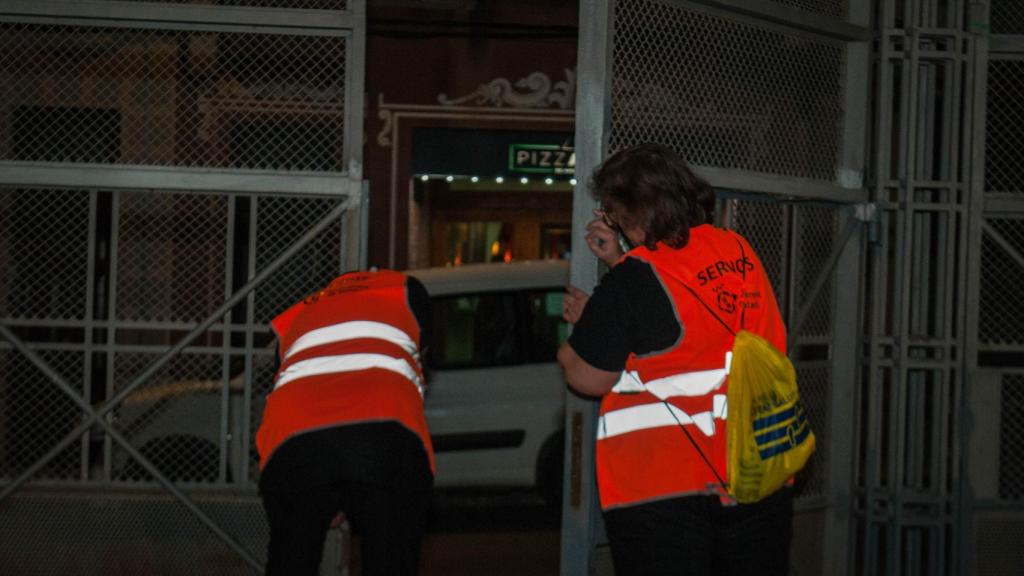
816 228
127 534
834 8
170 255
281 220
1004 164
169 98
1001 279
763 225
303 4
35 414
262 384
1011 438
173 419
724 93
44 242
815 392
1006 16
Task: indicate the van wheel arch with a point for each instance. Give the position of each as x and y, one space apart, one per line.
550 461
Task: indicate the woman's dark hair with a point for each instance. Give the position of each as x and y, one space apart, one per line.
650 187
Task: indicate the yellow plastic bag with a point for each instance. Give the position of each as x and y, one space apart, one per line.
769 438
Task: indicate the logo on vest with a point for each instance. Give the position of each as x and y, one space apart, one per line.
722 267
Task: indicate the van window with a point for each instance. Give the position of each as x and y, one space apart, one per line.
497 328
475 330
547 330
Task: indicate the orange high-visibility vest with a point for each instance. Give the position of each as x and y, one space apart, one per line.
642 454
349 354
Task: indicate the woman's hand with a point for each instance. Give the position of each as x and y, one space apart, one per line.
603 240
573 303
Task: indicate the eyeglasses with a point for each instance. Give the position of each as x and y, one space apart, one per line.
608 220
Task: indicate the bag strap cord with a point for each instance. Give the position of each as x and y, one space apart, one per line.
668 406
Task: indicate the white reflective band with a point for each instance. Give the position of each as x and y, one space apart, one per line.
348 363
685 384
351 331
656 415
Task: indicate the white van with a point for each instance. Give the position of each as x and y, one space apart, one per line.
495 400
495 395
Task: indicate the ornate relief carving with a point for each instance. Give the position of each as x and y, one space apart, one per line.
384 136
534 91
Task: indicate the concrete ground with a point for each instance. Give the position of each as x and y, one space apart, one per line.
499 532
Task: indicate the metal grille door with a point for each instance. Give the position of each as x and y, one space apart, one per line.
172 175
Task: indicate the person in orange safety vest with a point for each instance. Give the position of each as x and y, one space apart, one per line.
344 429
653 342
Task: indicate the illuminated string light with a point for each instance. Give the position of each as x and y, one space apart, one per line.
424 177
499 179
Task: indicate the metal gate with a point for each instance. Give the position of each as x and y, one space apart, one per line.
768 100
992 514
882 185
171 176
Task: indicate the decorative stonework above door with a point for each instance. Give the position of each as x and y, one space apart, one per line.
535 91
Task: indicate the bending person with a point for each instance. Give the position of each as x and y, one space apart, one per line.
344 428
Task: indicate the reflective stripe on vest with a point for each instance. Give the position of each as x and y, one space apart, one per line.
687 384
626 420
348 363
351 331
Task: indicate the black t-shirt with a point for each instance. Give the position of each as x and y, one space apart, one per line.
419 303
629 311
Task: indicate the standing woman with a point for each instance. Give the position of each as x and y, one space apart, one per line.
651 342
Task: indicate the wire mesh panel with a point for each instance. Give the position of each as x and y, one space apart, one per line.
1006 17
1002 276
1004 164
126 534
309 271
174 419
35 414
725 93
1011 438
35 250
816 228
172 98
762 223
170 255
834 8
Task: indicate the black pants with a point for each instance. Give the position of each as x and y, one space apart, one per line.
696 535
376 473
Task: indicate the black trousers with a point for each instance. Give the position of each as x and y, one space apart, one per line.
376 473
697 535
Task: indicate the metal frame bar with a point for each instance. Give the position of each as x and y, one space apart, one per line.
115 176
582 525
792 17
189 15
